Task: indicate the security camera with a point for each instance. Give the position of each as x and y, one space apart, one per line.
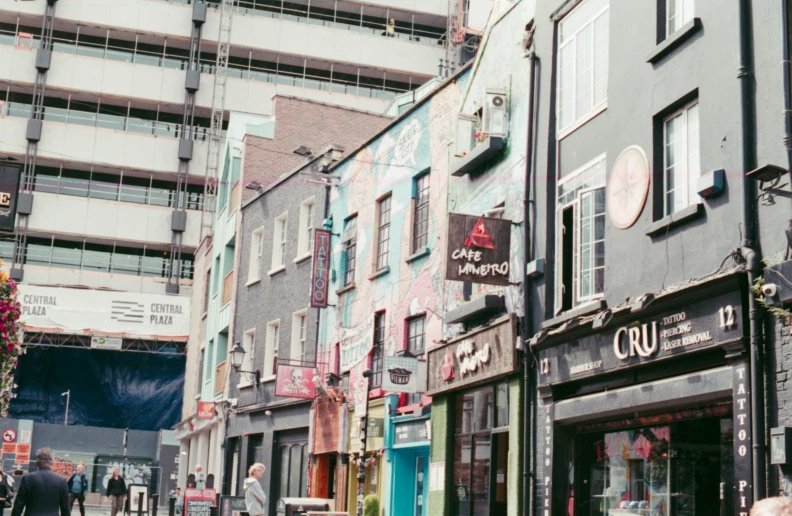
770 289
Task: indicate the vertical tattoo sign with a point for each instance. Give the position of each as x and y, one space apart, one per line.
544 458
743 489
321 268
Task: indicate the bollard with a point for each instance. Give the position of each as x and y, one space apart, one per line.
141 496
154 504
172 507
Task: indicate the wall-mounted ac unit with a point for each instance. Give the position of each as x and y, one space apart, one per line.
496 118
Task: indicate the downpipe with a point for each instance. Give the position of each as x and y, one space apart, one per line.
748 249
787 81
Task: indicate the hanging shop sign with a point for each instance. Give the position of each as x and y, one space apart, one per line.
326 427
199 502
403 374
479 356
355 344
360 394
73 310
321 268
9 186
375 427
478 249
295 382
702 325
206 410
411 432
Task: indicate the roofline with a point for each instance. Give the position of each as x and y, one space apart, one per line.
420 103
276 96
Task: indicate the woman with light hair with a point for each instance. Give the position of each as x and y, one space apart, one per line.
116 490
255 499
775 506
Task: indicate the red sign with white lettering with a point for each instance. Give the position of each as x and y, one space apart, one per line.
206 410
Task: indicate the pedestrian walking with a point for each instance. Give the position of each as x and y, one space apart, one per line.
116 490
43 492
78 486
200 478
255 499
6 493
775 506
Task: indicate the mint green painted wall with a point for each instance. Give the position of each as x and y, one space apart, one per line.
516 442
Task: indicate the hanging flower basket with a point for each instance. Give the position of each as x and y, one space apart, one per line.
10 339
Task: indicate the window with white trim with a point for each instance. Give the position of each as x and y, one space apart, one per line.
383 232
256 254
299 331
580 236
279 242
349 240
249 345
305 238
681 158
582 62
678 13
271 350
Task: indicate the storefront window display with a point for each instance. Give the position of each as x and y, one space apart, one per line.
481 451
670 464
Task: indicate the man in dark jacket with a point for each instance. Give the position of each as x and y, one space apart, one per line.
78 486
43 492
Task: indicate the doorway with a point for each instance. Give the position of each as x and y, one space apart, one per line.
289 466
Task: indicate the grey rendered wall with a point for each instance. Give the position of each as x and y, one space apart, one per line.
89 439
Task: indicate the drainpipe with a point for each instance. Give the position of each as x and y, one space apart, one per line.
787 73
752 257
528 416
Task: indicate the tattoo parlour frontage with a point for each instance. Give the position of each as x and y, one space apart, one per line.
644 409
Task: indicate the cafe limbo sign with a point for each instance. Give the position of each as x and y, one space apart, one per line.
701 325
478 249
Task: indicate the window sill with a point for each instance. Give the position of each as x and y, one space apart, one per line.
276 271
197 396
346 289
268 379
583 121
674 41
418 254
302 258
253 282
587 309
385 270
677 218
244 385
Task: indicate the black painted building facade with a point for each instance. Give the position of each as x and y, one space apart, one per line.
659 372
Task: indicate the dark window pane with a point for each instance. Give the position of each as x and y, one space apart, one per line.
133 189
162 193
46 180
97 257
67 255
104 186
74 182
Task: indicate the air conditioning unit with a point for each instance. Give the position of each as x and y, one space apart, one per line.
496 118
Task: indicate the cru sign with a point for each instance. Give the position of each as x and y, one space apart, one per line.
478 249
473 358
321 268
697 326
9 185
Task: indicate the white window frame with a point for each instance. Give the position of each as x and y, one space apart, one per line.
305 238
299 336
683 159
279 235
256 255
249 345
269 371
577 259
687 10
579 244
579 119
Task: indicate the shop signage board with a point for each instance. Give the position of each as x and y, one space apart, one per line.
473 358
295 382
375 427
693 327
355 344
410 432
135 492
206 410
321 268
9 187
326 427
403 374
479 249
115 343
232 505
199 502
360 395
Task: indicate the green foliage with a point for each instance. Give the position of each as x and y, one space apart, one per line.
10 339
371 505
774 310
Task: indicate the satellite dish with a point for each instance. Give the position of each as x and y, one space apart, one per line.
628 186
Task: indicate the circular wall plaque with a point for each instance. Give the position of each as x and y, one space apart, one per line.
628 186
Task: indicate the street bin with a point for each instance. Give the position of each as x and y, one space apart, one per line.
301 506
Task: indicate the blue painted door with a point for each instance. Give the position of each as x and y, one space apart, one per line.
410 482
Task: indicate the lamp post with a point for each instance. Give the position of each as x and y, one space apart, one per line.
237 356
68 397
361 476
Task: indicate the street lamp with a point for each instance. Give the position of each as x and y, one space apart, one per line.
361 476
237 355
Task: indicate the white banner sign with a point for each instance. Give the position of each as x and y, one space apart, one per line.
82 311
107 342
355 344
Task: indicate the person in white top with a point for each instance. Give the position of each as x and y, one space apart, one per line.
255 499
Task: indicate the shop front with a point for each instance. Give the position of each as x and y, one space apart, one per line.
475 390
329 437
374 454
645 410
408 459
